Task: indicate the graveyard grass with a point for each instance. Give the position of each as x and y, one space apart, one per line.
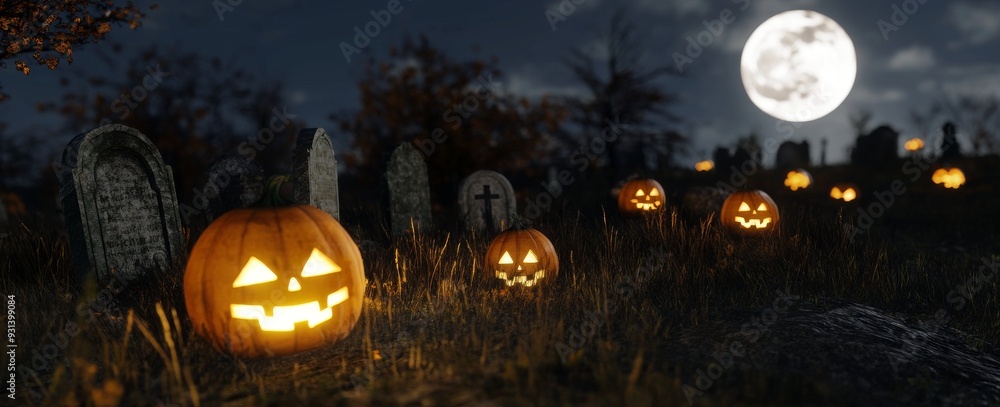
435 332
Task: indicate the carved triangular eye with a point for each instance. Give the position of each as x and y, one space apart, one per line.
254 272
762 207
506 259
654 192
640 193
530 258
319 264
744 207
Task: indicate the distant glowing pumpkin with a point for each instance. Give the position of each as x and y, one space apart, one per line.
521 258
274 281
844 192
913 144
641 196
949 177
798 179
749 212
706 165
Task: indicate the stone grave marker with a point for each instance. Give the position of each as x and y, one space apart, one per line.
233 182
486 201
119 205
314 172
409 191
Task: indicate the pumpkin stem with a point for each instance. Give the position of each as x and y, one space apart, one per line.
517 222
277 192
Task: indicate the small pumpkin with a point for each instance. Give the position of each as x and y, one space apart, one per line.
913 144
749 212
949 177
798 179
521 257
274 281
844 192
641 196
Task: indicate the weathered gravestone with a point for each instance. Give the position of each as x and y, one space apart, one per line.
233 182
409 190
314 172
119 205
486 201
792 155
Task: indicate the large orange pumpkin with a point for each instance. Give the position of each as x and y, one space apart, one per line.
641 196
273 281
749 212
521 257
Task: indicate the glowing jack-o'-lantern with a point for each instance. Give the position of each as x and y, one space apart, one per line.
844 192
640 196
749 212
798 179
949 177
706 165
273 281
521 257
913 144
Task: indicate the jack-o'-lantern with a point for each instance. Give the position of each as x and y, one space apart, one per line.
273 281
844 192
798 179
706 165
913 144
949 177
521 258
641 196
749 212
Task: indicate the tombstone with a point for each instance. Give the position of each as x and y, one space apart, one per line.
486 201
877 149
119 205
949 147
792 155
233 182
409 190
314 172
822 154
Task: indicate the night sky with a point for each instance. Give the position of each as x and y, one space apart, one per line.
944 47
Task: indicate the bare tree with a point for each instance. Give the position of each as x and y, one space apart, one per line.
624 91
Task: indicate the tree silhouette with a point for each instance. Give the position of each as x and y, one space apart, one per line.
48 30
192 108
456 112
628 93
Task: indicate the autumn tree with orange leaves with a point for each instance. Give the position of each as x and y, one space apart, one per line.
456 112
47 31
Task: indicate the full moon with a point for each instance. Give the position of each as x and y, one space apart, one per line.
798 66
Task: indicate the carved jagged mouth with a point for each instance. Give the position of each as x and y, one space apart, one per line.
646 206
759 223
284 318
523 280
